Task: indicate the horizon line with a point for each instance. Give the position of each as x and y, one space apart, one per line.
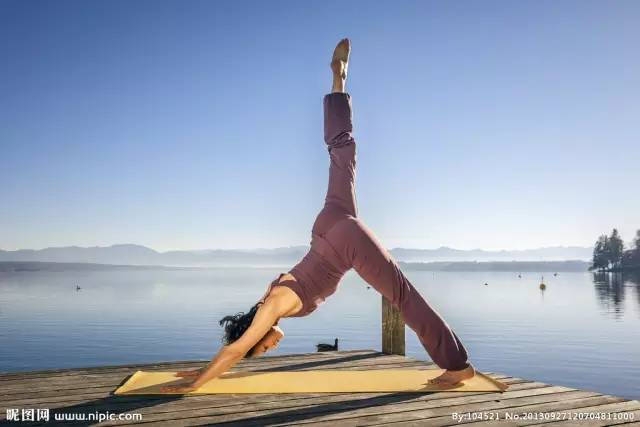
290 246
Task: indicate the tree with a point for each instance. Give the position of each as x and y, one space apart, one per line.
632 259
601 253
615 249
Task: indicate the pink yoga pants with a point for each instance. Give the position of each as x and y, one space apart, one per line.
358 247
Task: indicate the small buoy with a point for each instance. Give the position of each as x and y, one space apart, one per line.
486 284
555 274
519 276
543 286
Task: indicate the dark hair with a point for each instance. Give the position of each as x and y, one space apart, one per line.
236 325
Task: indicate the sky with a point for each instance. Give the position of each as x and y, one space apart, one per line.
198 124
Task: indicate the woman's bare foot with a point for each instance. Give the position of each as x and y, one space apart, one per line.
340 64
340 60
450 378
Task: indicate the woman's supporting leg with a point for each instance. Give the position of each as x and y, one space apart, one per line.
360 247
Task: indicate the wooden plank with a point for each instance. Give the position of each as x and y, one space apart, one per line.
93 381
233 403
51 396
242 407
299 412
264 364
393 341
165 402
440 421
183 406
87 390
625 412
269 403
55 382
164 365
436 413
188 408
568 403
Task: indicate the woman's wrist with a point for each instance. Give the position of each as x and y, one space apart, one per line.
225 360
202 379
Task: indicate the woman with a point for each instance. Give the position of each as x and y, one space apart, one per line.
340 241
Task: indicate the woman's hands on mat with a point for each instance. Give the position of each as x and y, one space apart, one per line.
186 387
190 374
179 388
228 356
261 326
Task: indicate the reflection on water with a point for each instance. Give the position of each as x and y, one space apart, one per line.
612 289
581 331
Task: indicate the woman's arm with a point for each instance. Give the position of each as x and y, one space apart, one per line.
266 316
266 294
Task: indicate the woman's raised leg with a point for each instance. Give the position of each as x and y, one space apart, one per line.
340 199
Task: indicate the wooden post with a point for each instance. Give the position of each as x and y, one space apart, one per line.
392 329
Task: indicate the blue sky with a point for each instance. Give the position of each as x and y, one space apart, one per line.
192 125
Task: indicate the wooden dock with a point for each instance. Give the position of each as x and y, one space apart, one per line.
89 391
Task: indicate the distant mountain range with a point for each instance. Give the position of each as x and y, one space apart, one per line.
459 266
512 266
130 254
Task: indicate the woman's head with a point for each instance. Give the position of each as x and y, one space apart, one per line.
236 325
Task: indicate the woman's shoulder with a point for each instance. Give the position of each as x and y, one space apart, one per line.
286 295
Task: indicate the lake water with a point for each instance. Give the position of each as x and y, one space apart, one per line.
583 331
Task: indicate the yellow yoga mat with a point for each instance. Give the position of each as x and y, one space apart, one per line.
318 381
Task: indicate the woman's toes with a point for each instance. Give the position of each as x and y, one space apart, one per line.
341 51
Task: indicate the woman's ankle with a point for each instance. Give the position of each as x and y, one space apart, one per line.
338 84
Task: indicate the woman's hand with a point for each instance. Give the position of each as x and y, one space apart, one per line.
179 388
186 387
189 374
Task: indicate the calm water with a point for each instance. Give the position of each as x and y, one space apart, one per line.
582 332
